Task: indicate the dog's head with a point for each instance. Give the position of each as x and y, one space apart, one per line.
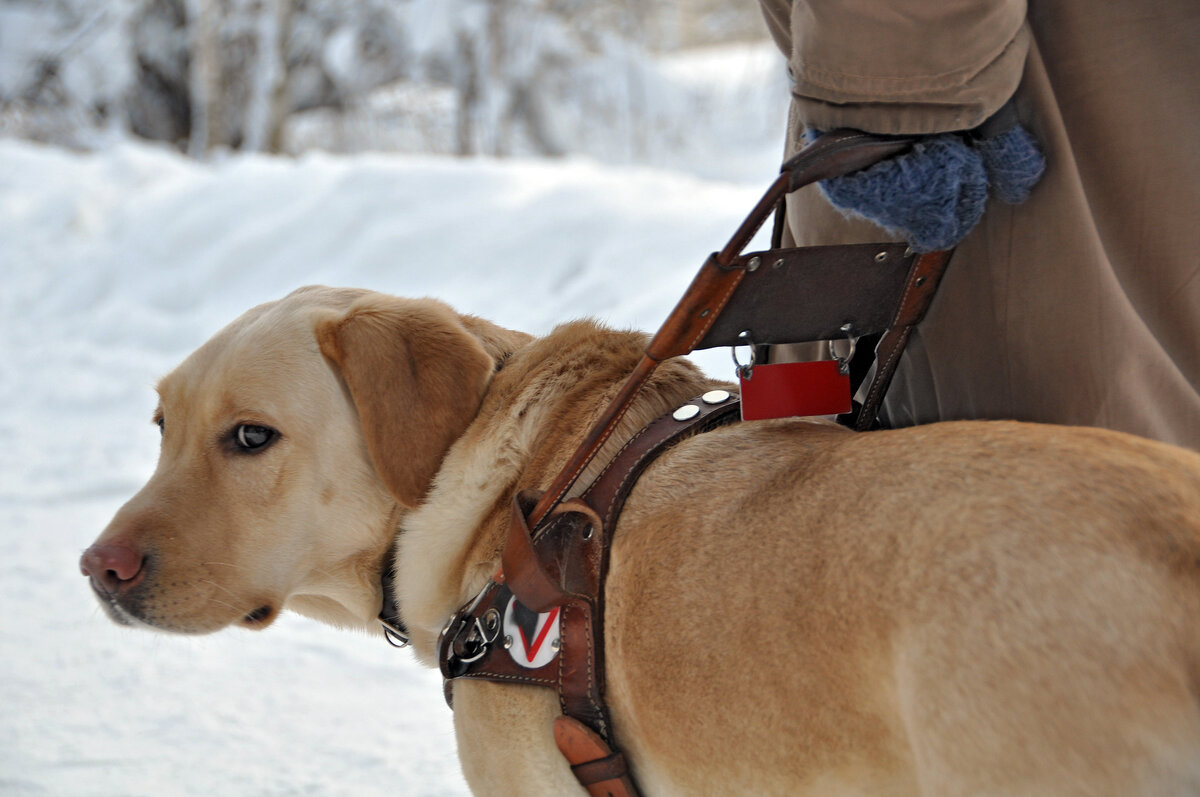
291 443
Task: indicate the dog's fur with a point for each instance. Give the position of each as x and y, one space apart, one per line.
961 608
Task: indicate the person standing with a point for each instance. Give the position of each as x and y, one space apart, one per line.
1080 303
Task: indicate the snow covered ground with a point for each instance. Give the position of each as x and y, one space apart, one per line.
113 266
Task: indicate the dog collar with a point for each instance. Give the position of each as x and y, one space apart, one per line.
394 630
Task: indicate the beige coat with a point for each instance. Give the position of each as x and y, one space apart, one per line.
1081 306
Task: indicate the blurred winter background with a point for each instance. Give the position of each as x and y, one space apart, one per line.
166 164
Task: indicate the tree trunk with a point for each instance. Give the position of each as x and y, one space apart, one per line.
268 99
281 91
468 94
204 79
499 82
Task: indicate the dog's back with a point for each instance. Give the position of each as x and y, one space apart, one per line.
957 609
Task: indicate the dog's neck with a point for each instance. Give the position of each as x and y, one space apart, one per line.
350 593
533 416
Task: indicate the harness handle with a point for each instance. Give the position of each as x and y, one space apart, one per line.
834 154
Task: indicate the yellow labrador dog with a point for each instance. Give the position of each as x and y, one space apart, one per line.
792 608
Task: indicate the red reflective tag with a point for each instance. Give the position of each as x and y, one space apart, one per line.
786 390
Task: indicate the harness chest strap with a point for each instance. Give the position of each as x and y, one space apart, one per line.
540 622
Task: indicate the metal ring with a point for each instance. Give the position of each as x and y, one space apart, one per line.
393 635
743 370
490 626
844 361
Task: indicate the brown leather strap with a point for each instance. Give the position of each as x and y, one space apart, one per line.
608 492
528 580
579 565
597 768
582 690
840 152
920 287
595 439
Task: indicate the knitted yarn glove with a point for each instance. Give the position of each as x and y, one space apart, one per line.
1013 162
935 193
932 195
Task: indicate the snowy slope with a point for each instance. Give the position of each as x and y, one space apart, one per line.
112 267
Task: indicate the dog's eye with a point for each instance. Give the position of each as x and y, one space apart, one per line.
253 438
162 426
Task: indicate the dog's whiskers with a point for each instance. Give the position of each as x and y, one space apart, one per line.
218 586
211 599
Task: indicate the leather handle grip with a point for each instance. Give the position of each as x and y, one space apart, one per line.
835 153
841 152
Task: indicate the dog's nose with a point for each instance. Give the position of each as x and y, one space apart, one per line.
112 567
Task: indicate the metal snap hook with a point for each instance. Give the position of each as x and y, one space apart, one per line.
469 648
475 636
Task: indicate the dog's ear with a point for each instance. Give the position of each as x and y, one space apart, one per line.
416 376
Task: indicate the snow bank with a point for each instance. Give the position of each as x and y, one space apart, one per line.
112 267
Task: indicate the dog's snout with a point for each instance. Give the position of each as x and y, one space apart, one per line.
112 567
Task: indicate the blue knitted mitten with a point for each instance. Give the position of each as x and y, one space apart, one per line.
1014 164
934 194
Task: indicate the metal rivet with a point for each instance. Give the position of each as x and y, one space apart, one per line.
508 640
753 263
882 256
715 396
555 644
704 313
920 281
491 619
686 412
778 264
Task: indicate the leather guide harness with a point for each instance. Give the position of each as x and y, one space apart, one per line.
717 285
560 571
539 622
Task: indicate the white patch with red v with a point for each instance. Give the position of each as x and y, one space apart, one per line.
534 636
